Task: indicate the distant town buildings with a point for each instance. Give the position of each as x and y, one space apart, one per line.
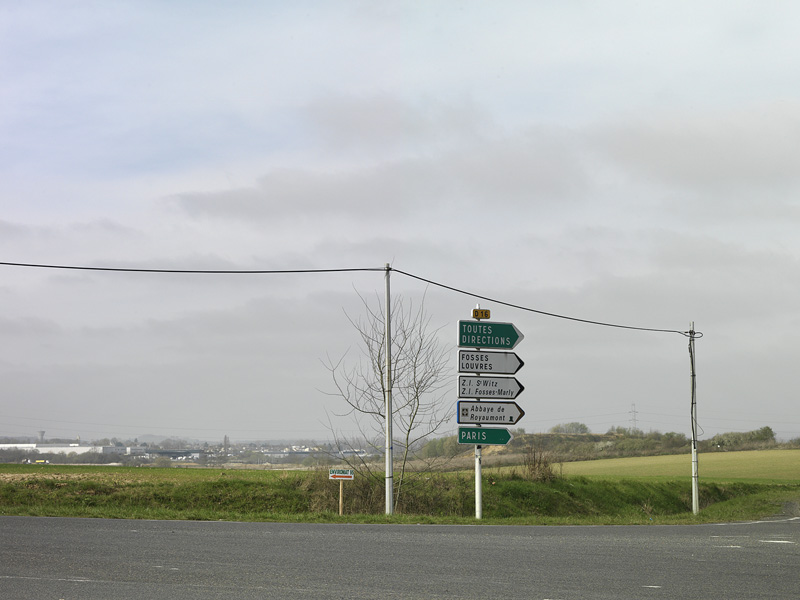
246 453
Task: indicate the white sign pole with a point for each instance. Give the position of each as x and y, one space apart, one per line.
388 392
478 484
695 477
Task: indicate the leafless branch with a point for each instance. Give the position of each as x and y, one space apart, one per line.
420 379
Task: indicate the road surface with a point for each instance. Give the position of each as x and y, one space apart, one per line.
95 559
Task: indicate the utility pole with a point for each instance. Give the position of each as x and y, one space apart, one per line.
695 492
388 393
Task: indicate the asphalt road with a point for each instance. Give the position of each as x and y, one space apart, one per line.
94 559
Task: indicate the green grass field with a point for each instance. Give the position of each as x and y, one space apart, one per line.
733 486
764 466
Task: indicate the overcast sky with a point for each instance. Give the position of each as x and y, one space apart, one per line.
635 163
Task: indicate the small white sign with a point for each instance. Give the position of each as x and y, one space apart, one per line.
342 474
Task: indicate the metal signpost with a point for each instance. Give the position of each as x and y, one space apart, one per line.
480 335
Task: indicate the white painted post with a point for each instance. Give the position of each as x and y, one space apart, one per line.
478 474
478 484
389 446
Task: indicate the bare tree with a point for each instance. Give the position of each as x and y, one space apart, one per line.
420 381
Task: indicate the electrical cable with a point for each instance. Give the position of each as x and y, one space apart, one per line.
191 271
548 314
694 334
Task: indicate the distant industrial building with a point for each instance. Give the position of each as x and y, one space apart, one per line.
72 448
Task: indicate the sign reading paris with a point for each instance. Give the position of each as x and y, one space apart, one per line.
489 436
488 334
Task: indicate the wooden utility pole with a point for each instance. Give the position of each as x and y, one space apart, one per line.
695 477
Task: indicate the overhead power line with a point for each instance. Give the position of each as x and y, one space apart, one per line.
190 271
696 334
548 314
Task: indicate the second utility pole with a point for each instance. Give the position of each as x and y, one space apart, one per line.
388 393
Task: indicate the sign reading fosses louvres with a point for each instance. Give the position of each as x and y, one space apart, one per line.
497 363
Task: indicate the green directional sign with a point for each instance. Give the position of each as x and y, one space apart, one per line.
488 334
488 436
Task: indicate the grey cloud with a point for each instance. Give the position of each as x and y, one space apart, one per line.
104 227
756 208
537 167
71 235
305 193
748 148
10 230
187 262
730 291
28 326
532 168
385 123
378 250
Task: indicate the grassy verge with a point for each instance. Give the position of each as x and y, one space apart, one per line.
509 498
766 466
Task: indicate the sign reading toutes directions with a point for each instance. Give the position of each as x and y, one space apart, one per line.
471 386
488 334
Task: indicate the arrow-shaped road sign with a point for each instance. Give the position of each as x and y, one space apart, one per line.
471 386
490 436
348 474
479 413
488 334
495 363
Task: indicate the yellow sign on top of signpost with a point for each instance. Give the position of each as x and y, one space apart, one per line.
481 313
